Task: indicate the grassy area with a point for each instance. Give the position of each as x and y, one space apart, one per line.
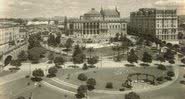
46 93
104 51
115 75
3 73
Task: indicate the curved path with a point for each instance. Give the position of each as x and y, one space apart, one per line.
63 83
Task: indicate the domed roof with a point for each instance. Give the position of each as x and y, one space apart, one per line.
92 12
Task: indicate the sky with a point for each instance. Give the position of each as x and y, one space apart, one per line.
75 8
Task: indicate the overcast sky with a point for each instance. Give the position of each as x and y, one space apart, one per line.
75 8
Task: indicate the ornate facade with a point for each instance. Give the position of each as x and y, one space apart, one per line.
160 23
97 26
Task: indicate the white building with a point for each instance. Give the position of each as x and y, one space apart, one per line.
96 26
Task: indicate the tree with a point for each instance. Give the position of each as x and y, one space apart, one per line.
85 67
51 40
51 56
58 39
82 77
132 57
22 56
78 56
91 82
81 91
132 95
38 74
69 43
93 60
169 55
169 45
35 54
147 58
52 71
176 47
16 63
59 61
33 42
161 58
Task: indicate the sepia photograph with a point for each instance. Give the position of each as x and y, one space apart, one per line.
92 49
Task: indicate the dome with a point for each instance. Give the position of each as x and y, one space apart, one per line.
92 12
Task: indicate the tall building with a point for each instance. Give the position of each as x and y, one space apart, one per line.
97 26
9 36
160 23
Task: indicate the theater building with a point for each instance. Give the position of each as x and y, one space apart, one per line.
97 26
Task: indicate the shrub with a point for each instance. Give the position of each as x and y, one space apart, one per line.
73 66
80 95
109 85
92 60
36 79
144 64
170 73
160 78
161 67
16 63
132 95
59 60
171 61
14 69
129 65
20 97
91 66
52 70
37 73
122 89
27 76
90 87
91 81
82 77
51 75
168 78
85 67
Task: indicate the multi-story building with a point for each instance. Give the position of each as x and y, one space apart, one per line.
97 26
160 23
9 36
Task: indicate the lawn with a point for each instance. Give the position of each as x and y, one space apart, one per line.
7 72
104 51
19 87
115 75
45 93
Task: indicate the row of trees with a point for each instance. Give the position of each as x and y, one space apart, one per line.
169 56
